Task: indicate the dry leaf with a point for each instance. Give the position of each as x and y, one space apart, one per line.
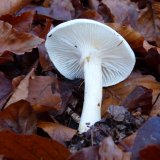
18 117
148 134
5 89
57 131
44 60
30 147
148 22
107 150
15 41
134 38
21 23
150 152
91 14
40 93
12 6
140 97
114 95
21 92
6 57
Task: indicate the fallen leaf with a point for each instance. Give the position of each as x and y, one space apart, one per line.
150 152
134 38
148 134
114 95
106 150
6 57
18 117
21 23
148 22
21 92
57 131
145 20
152 59
109 151
124 11
15 41
89 153
44 60
91 14
40 93
61 10
148 46
127 143
105 12
5 89
10 6
42 25
140 97
32 147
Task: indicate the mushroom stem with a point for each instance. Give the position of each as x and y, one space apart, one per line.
91 111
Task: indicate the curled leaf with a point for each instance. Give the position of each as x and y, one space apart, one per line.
16 42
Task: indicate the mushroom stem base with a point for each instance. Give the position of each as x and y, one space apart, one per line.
91 111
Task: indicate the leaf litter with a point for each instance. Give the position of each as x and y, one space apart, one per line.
41 109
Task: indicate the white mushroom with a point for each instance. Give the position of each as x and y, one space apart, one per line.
91 50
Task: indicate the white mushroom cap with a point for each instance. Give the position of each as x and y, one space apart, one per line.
70 42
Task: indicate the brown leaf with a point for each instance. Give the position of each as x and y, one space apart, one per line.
140 97
61 10
124 11
114 95
42 25
127 142
18 117
152 59
15 41
103 10
57 132
150 152
21 92
134 38
30 147
21 23
44 60
89 153
40 93
10 6
6 57
148 22
107 150
5 89
150 132
91 14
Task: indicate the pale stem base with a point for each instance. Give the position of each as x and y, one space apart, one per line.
91 112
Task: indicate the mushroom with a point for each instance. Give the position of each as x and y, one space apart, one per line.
88 49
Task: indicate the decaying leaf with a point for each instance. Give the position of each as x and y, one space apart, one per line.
57 132
40 93
21 23
148 22
32 147
134 38
44 60
12 6
140 97
107 150
18 117
150 152
152 59
15 41
116 94
21 92
5 89
150 132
